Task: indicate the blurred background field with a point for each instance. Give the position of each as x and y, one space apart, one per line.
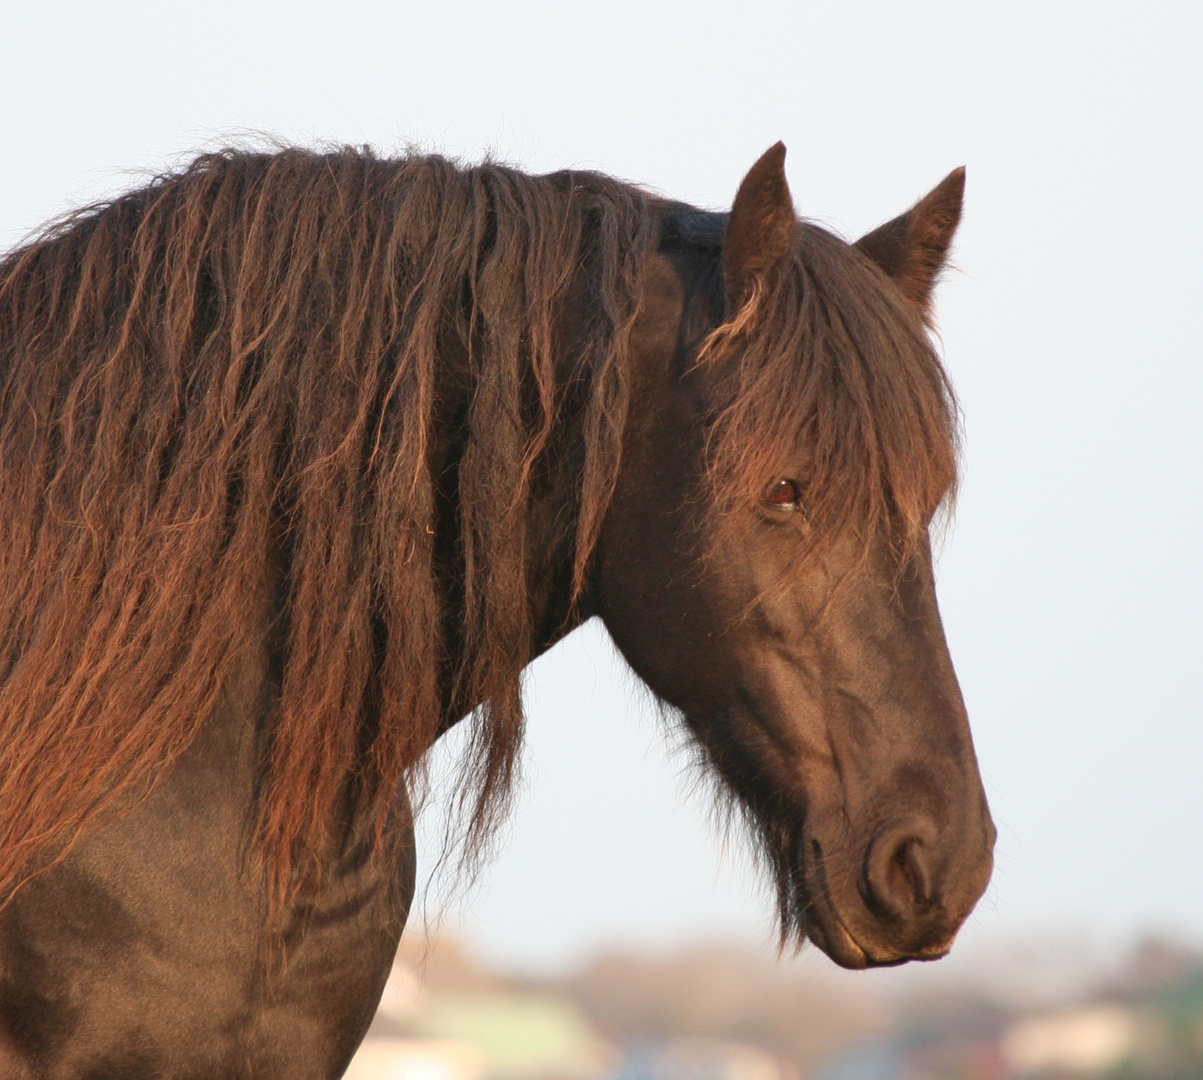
1039 1010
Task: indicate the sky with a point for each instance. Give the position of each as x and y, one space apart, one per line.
1070 582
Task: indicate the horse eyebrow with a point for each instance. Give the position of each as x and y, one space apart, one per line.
685 228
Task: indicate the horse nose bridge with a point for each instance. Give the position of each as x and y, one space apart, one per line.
894 693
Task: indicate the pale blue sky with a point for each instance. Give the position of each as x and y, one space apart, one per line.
1071 584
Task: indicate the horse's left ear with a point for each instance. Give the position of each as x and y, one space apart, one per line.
912 248
759 230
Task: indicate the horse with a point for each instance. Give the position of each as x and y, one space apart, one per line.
305 455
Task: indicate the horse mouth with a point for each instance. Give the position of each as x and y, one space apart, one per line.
822 921
827 928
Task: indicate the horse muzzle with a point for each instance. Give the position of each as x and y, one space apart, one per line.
904 895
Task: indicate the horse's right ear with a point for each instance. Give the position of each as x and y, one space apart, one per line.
912 248
759 230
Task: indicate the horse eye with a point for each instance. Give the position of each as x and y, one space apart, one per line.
783 493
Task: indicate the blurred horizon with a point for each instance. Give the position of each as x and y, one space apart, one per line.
715 1010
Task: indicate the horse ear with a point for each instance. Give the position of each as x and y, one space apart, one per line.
912 248
759 230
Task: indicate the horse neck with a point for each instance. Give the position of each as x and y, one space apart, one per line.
552 507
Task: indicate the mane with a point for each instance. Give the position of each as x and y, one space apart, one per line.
221 395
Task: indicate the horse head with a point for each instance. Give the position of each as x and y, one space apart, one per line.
765 565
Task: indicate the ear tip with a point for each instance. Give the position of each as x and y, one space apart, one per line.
768 168
772 158
949 193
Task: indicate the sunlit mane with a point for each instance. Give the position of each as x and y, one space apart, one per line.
220 397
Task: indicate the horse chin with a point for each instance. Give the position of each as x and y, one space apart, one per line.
824 928
839 945
837 942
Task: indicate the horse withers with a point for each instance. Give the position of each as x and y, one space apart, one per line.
303 458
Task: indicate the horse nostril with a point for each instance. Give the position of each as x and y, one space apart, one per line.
913 857
898 879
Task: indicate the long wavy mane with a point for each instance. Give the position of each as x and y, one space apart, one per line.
220 395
